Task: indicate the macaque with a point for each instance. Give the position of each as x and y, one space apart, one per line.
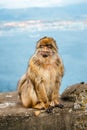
39 86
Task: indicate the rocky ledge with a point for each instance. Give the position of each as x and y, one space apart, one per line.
13 116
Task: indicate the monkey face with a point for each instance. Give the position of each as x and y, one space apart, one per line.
46 47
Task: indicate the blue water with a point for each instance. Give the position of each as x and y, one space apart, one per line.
18 41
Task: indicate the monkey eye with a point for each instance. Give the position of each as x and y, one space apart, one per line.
49 46
41 46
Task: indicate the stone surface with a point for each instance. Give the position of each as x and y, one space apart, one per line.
77 94
13 116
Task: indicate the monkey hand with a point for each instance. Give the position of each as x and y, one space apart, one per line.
49 109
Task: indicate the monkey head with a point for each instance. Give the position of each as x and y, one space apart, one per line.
46 46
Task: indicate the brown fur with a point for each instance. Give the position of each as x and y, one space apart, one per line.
39 87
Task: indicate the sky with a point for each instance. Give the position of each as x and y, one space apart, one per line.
37 3
23 25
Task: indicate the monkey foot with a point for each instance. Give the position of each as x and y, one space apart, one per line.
59 105
39 106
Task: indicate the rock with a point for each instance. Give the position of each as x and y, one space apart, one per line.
77 94
13 116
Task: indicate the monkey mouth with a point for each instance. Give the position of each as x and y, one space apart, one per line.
45 55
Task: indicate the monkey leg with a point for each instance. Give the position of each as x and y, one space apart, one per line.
28 96
55 100
55 96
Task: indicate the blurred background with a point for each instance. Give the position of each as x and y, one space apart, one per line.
24 22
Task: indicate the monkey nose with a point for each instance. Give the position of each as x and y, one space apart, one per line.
45 48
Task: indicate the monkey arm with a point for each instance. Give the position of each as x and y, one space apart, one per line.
41 93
